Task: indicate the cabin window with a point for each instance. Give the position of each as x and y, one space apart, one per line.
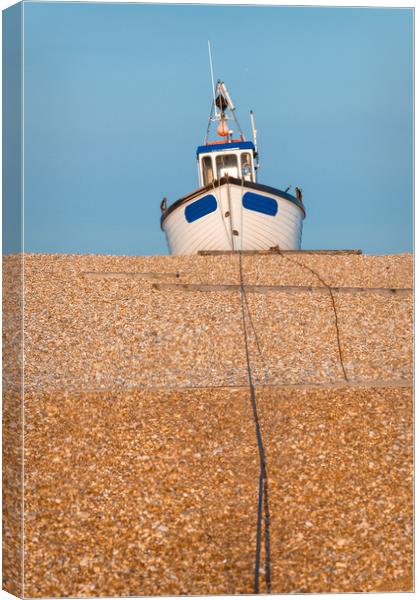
246 166
227 164
207 167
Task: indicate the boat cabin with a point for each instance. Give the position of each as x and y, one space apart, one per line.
218 159
231 211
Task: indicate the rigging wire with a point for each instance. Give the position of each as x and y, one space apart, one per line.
206 138
237 124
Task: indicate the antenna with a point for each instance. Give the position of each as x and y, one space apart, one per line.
254 131
212 77
254 135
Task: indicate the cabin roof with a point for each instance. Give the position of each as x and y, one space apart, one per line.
227 146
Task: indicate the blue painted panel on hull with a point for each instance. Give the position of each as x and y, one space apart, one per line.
262 204
200 208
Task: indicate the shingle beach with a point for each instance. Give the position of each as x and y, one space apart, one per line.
140 456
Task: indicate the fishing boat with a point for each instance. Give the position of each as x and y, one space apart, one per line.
231 211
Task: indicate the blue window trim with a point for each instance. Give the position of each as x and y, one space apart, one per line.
200 208
259 203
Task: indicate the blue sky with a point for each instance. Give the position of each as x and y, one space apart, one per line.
117 99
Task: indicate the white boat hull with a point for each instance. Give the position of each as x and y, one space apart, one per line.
233 215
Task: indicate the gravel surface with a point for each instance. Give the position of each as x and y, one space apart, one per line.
12 425
141 465
119 331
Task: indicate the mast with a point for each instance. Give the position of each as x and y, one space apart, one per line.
222 101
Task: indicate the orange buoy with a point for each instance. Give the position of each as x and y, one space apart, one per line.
223 129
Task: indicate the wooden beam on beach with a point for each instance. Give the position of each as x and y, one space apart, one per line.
290 289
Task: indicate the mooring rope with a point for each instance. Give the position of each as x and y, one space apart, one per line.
257 341
219 203
324 283
263 502
263 496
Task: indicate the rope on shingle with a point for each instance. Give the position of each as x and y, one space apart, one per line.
324 283
263 499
